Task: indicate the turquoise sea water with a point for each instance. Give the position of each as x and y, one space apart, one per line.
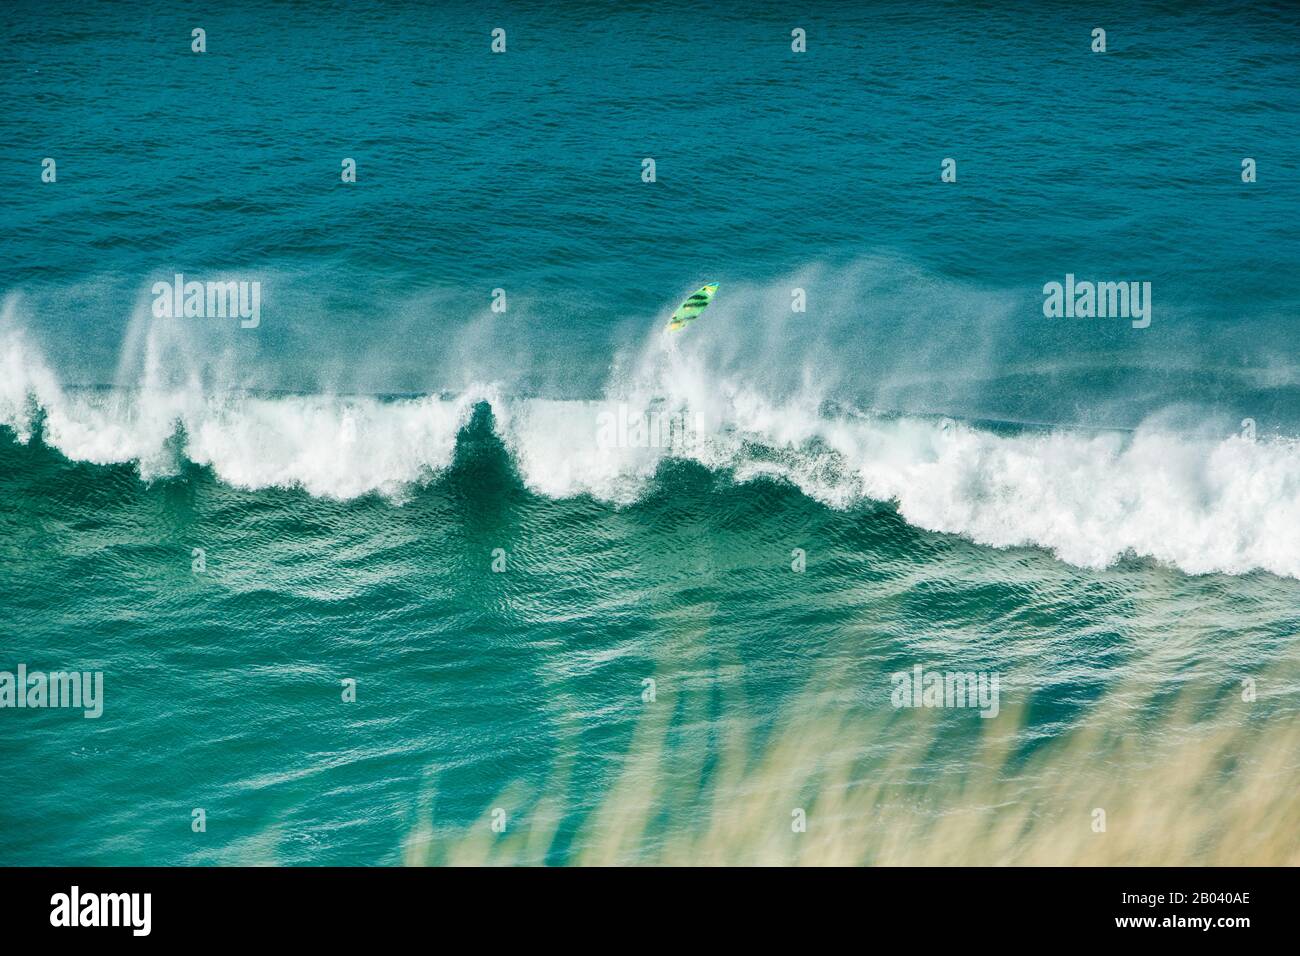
394 484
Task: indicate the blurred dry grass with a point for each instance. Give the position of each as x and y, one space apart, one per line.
1206 784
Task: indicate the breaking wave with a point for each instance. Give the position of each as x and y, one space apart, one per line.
1201 503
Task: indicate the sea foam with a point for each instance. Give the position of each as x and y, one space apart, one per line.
1196 502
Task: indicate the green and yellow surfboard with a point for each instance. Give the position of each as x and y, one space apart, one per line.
692 307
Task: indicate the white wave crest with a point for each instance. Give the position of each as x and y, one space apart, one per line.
1202 504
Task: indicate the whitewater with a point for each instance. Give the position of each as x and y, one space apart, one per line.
1202 503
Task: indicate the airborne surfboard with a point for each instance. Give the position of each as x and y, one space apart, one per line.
692 307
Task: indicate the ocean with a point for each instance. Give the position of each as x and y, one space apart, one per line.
446 552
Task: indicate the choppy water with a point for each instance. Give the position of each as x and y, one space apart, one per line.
390 482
